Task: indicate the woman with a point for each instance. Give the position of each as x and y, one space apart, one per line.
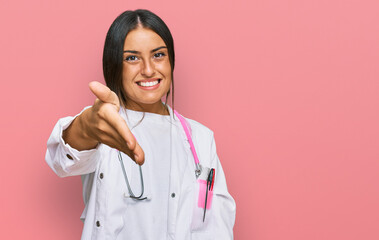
164 195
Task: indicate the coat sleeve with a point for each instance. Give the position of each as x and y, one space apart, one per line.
224 206
65 160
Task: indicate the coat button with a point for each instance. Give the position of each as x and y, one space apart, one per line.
172 195
101 175
69 156
97 223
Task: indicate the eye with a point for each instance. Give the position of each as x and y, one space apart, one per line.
159 55
131 58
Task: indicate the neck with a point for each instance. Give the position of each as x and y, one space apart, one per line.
158 107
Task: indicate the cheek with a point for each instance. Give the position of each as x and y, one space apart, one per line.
167 73
165 68
128 74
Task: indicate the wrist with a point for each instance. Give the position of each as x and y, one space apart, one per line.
83 129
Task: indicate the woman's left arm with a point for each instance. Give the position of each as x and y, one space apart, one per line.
223 204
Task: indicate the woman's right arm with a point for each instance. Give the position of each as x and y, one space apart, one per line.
76 137
71 148
64 159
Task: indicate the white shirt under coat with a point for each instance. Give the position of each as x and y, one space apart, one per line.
171 188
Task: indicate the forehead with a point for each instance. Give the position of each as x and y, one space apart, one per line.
141 39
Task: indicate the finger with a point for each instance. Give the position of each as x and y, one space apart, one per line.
127 139
118 123
104 93
139 154
114 139
109 136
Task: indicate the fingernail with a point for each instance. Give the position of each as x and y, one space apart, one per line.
135 157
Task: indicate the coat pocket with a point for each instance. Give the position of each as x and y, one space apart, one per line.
202 211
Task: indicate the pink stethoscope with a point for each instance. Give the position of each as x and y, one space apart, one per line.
187 130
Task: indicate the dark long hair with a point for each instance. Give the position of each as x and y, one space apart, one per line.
114 47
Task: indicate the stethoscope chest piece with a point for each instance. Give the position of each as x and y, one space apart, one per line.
198 170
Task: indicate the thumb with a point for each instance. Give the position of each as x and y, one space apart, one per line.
103 93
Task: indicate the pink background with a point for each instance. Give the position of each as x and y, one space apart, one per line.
290 88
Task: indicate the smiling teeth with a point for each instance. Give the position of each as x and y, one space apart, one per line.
148 84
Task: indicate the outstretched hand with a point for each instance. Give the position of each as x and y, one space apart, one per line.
104 124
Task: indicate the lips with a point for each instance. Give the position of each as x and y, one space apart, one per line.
149 84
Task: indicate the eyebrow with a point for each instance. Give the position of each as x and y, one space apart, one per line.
136 52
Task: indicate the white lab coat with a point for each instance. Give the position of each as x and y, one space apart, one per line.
108 209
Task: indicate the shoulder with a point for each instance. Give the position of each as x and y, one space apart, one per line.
203 138
198 128
199 133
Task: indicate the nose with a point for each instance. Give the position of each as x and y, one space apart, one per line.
148 69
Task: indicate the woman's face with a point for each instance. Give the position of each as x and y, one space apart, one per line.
146 70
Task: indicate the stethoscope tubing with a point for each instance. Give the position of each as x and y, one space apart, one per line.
127 181
192 146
